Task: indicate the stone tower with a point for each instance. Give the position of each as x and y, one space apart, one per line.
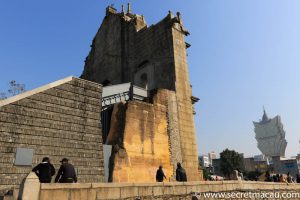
154 57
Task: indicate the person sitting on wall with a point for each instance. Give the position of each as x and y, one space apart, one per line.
283 179
297 178
268 177
180 173
289 178
240 174
160 175
66 173
44 170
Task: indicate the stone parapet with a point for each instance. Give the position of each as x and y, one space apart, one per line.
170 190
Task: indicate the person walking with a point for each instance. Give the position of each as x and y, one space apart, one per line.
44 170
66 173
160 175
180 173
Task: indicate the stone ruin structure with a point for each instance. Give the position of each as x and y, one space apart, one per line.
144 111
160 130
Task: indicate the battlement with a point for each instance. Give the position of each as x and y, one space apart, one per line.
139 20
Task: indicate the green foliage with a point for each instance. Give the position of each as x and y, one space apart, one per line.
230 160
15 88
205 174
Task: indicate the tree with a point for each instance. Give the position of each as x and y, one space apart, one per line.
206 174
14 89
230 160
2 95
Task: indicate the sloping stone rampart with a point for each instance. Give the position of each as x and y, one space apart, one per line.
61 119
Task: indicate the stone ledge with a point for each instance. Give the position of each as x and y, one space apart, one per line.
44 88
35 91
55 186
101 191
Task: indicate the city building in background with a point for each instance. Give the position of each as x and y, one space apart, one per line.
260 157
285 166
270 136
204 161
212 155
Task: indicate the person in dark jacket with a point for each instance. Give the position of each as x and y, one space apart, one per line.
298 178
66 173
180 173
44 170
160 175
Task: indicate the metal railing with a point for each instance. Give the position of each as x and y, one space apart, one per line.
122 92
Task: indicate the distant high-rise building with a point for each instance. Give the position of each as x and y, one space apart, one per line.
270 136
212 155
204 161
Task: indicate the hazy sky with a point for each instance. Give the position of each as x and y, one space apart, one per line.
244 54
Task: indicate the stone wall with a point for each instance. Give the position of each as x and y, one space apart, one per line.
61 119
121 47
145 143
160 191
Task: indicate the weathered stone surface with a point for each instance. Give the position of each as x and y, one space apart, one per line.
126 50
145 144
58 120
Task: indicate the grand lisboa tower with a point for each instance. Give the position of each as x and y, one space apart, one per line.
270 136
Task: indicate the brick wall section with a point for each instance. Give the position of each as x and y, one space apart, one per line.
61 121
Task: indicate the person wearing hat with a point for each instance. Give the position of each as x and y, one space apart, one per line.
44 170
66 173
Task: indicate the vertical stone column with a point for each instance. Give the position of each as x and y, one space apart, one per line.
31 187
184 105
173 130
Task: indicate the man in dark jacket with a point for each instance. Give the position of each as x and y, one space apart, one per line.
160 175
180 173
66 173
44 170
